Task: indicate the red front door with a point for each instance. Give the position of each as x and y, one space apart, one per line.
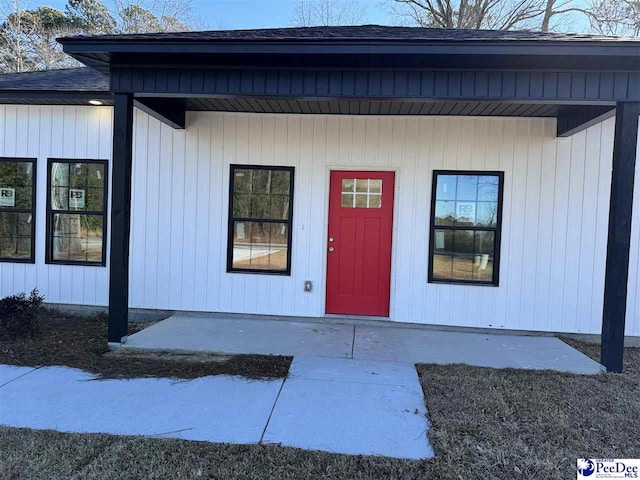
359 243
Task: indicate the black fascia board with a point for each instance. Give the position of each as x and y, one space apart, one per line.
388 47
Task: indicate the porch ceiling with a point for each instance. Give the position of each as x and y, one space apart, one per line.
372 107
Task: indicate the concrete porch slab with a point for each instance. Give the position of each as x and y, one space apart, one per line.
496 351
233 335
362 341
9 373
215 409
337 405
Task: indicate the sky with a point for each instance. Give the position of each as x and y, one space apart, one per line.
232 14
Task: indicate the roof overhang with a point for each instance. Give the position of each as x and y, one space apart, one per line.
366 46
374 55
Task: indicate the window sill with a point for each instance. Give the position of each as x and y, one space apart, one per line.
76 264
260 272
463 283
18 260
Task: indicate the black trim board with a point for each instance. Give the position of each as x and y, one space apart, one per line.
572 120
170 111
376 46
567 87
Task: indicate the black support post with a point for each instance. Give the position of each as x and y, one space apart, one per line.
620 211
120 216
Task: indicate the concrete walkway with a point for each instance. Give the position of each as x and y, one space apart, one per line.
365 342
334 405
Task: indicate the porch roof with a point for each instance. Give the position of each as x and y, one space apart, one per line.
369 69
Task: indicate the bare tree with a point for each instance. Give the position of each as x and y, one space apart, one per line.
615 17
492 14
45 51
542 15
143 16
311 13
13 36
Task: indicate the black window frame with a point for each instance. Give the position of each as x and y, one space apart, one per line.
232 219
50 213
495 281
32 211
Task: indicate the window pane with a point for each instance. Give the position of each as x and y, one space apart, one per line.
8 173
483 256
361 200
375 201
445 212
59 198
261 181
446 187
375 186
347 200
463 241
242 181
488 188
260 206
16 180
362 185
280 182
77 237
260 245
487 214
467 187
348 184
462 268
15 235
443 241
241 205
465 213
280 207
442 267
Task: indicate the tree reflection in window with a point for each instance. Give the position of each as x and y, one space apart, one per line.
260 219
465 234
77 211
17 209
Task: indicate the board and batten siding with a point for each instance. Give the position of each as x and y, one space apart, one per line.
44 132
554 230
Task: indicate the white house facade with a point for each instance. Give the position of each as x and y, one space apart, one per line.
468 216
554 226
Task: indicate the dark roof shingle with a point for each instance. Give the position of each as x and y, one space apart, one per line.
82 79
362 33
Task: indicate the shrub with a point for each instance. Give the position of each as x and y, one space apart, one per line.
20 315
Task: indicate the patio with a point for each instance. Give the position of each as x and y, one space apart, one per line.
360 341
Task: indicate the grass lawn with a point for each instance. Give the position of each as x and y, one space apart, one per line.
80 342
486 423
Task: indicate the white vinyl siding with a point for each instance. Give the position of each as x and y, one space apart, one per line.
554 231
44 132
